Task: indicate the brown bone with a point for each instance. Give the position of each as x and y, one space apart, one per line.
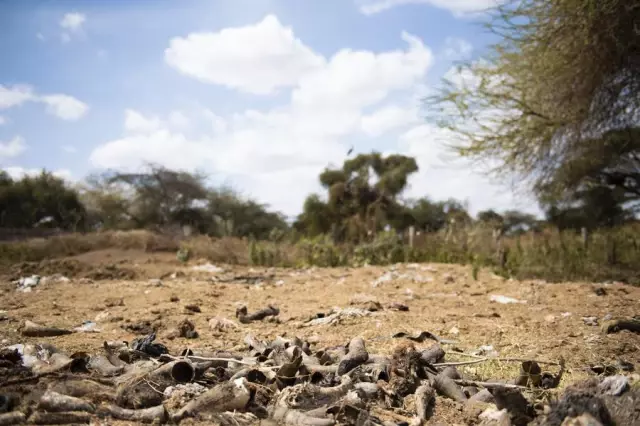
55 402
147 415
228 396
356 355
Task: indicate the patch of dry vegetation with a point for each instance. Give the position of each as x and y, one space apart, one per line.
607 255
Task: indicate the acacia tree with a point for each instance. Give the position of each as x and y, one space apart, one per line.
362 196
556 101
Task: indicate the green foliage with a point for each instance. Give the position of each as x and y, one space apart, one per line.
556 99
160 198
361 198
183 254
42 200
591 208
321 251
385 249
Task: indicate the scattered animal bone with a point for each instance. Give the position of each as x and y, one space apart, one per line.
616 326
447 387
423 336
425 399
145 390
228 396
55 402
156 414
356 355
32 329
64 418
245 318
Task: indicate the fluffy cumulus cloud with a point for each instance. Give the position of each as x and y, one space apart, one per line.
12 148
388 118
62 106
458 7
11 96
257 58
65 107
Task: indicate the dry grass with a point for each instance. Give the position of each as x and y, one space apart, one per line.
611 255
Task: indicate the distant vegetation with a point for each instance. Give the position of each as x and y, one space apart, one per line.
555 102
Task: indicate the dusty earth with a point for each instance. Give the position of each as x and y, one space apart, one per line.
442 299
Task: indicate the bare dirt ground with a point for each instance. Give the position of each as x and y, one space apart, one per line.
442 299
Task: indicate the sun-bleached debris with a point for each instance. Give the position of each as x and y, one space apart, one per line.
505 300
394 275
338 314
26 284
207 267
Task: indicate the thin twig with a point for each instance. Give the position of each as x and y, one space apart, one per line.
201 358
526 359
489 385
455 364
482 359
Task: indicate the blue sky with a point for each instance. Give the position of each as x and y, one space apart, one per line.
260 94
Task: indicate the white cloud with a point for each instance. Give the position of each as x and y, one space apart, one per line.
73 21
3 120
256 59
72 24
40 36
17 172
355 79
388 118
15 95
12 148
217 123
458 7
69 149
65 107
178 119
443 175
457 48
276 154
135 122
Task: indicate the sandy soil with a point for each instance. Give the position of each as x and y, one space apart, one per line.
442 299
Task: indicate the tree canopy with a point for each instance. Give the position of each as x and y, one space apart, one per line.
361 196
556 101
41 200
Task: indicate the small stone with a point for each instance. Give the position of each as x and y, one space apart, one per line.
454 331
193 308
590 321
174 298
221 324
156 282
600 291
550 318
102 316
